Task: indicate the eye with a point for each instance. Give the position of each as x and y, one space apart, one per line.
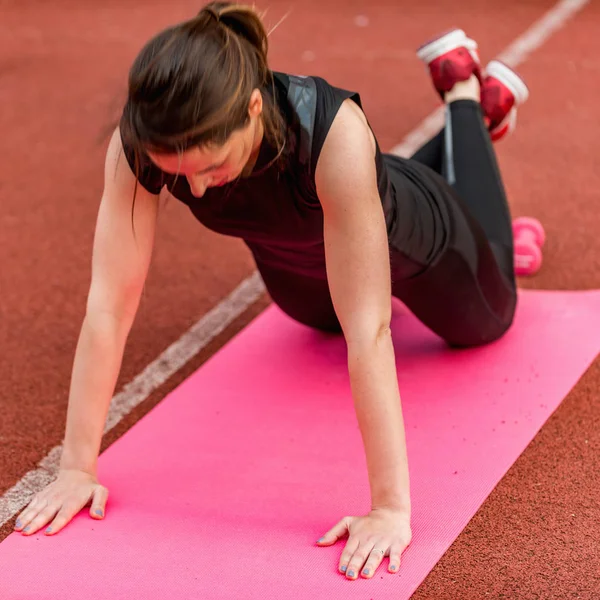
212 169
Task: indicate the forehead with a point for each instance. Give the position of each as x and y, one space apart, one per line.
191 161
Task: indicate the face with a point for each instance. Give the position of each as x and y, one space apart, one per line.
212 166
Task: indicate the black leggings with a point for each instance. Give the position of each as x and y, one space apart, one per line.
468 295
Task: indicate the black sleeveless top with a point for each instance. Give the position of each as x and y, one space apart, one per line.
277 212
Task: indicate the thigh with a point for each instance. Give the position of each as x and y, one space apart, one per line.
305 299
464 296
432 153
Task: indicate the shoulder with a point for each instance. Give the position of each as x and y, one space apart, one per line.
347 160
313 97
313 104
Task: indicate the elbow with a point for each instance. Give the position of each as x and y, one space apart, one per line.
369 335
112 311
370 347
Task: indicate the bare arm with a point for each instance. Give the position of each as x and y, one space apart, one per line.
119 267
358 270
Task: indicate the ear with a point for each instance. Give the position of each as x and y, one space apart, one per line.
255 106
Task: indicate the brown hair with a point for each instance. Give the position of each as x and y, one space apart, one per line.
191 84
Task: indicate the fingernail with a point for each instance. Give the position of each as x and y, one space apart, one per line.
366 571
49 530
99 512
26 529
320 540
393 567
350 573
343 569
18 524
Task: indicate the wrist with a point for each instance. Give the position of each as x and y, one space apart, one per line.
397 512
74 461
397 501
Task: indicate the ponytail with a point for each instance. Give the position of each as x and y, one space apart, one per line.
245 22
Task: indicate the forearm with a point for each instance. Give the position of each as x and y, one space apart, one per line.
95 370
378 408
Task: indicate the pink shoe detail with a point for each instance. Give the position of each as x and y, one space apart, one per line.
529 238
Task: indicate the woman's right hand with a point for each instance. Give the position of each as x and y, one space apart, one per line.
60 501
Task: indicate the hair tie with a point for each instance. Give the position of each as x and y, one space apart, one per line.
213 14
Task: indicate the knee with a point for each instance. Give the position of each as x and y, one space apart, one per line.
487 333
322 318
325 323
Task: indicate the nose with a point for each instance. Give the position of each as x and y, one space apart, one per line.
197 185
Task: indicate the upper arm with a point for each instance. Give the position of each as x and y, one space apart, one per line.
123 239
356 242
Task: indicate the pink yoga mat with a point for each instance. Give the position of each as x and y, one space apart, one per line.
221 491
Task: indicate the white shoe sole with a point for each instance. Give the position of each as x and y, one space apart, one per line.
451 40
510 79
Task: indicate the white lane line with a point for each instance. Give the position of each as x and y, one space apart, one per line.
135 392
515 54
209 326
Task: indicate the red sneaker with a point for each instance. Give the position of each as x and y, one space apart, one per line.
502 91
451 57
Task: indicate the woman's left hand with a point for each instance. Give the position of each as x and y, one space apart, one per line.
383 532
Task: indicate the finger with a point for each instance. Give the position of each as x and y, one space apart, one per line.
349 550
98 508
336 532
43 517
24 519
358 559
64 516
395 554
26 516
374 560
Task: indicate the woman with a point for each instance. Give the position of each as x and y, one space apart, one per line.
337 228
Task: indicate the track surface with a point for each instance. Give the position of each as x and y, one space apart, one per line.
62 77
